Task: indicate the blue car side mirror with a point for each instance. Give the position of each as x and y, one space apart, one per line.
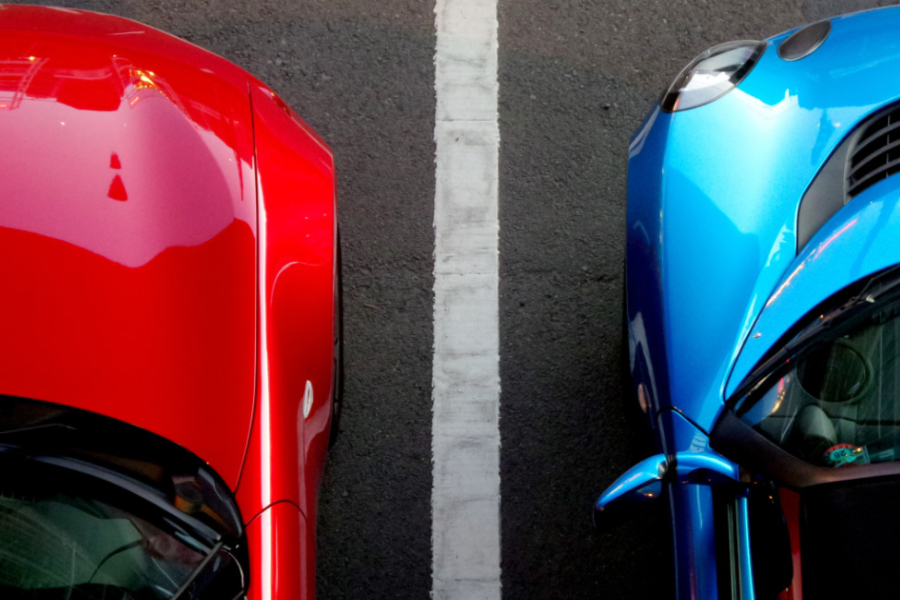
634 484
643 482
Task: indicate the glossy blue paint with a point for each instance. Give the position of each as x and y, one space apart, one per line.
744 555
860 240
677 434
689 464
645 472
693 540
707 467
713 198
643 260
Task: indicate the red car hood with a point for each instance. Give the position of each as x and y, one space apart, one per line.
127 228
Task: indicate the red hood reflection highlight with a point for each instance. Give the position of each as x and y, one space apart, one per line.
128 223
177 164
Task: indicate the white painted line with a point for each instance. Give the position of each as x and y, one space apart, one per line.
465 428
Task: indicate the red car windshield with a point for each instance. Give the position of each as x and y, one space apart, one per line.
93 508
65 536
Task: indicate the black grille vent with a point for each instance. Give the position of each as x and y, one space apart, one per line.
876 154
869 154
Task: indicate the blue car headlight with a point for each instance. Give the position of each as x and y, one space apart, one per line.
712 74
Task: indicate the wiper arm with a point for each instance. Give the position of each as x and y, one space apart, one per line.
38 427
196 572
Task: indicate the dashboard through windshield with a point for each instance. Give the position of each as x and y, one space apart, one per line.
834 403
95 509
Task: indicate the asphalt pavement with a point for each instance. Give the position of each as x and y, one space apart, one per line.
576 78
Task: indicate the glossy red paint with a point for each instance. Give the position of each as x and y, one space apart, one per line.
296 263
169 231
128 215
280 565
790 506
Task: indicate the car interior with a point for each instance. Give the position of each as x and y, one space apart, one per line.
837 407
822 427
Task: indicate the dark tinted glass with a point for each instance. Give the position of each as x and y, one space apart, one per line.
67 536
837 406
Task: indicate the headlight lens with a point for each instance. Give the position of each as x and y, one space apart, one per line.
712 75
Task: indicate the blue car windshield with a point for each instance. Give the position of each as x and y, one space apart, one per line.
835 402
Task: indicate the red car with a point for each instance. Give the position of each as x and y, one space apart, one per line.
170 363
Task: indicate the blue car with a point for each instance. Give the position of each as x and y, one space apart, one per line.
763 314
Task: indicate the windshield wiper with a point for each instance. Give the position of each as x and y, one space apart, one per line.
198 571
38 427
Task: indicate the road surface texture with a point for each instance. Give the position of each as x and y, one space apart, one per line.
576 77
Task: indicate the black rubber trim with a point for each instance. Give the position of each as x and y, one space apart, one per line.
825 196
881 172
725 535
680 414
804 41
337 399
830 189
862 144
754 451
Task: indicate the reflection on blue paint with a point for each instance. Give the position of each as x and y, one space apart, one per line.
693 537
858 241
691 462
713 198
645 472
713 277
743 519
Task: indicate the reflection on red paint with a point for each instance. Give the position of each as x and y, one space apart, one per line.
281 565
790 506
129 229
117 189
182 157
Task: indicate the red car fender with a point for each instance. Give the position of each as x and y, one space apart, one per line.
297 234
281 566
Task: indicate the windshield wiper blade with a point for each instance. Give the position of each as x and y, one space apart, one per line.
196 572
39 427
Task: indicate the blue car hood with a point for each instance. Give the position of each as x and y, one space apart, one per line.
712 213
860 240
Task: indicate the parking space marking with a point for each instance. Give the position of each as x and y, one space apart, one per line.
466 379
